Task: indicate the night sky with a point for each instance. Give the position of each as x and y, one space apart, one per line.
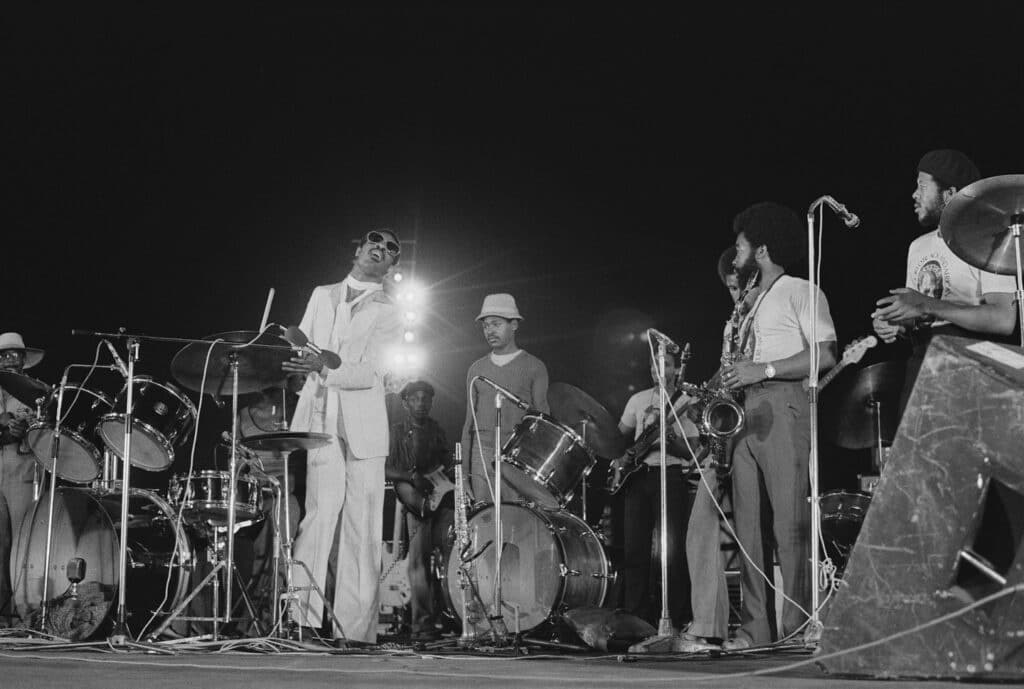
165 168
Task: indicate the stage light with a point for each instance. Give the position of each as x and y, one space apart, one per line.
398 277
411 316
409 336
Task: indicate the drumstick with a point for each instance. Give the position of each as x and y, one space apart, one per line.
266 310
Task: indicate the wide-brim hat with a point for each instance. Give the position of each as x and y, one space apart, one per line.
503 305
14 341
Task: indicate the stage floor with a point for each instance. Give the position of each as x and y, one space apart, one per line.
30 664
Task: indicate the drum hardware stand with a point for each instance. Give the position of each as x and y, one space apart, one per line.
44 603
119 636
228 562
1016 223
586 475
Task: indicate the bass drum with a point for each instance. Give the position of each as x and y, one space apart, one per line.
159 559
552 562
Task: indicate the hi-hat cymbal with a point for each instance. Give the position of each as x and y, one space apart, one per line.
571 406
848 415
259 367
285 441
25 389
975 223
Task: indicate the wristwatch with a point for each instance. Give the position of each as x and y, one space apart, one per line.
769 371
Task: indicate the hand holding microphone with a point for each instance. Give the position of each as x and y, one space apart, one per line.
313 359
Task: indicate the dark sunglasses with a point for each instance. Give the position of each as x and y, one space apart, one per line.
377 238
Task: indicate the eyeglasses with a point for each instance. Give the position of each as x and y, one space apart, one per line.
391 247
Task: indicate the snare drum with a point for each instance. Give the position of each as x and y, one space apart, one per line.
80 456
163 420
548 460
205 497
842 513
551 562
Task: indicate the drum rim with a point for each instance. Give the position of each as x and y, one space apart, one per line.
182 548
169 387
99 394
544 416
90 448
556 536
559 497
153 434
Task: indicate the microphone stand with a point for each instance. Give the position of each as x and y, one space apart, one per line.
1016 223
500 630
119 635
54 452
814 626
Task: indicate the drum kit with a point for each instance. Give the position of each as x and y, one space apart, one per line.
130 554
551 559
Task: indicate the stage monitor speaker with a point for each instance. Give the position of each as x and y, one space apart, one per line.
944 529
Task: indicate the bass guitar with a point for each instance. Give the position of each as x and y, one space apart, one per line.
852 354
631 460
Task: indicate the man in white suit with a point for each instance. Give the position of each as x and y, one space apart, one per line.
345 479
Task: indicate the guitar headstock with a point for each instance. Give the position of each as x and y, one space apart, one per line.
856 350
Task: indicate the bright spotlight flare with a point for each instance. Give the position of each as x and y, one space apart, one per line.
296 338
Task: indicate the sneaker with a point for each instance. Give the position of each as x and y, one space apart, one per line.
688 643
737 643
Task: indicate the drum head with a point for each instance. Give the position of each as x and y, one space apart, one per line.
78 459
83 528
150 451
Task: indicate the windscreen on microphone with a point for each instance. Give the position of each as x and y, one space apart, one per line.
294 336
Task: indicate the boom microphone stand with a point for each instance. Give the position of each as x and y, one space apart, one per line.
814 628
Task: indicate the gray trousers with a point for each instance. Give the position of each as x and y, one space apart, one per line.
770 488
709 596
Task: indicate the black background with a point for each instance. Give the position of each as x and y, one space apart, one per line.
165 167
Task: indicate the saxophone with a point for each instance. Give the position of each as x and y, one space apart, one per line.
718 411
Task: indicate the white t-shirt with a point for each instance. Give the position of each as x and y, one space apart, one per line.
642 410
782 321
502 359
935 271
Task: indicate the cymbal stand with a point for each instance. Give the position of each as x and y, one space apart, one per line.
1016 223
228 562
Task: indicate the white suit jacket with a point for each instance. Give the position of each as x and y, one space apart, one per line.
356 388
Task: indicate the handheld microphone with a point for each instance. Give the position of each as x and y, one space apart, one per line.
849 219
515 399
117 359
296 338
664 339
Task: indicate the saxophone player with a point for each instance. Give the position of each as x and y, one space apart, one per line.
709 595
771 451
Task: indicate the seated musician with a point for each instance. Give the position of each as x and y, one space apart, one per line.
641 512
418 450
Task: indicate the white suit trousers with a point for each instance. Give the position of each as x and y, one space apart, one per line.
341 486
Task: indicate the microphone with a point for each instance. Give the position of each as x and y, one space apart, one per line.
117 359
296 338
849 219
515 399
664 339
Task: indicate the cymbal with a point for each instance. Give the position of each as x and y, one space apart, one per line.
847 413
976 220
25 389
258 367
286 441
571 406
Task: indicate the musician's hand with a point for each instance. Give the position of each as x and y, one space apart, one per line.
18 428
741 374
887 332
904 304
422 485
305 363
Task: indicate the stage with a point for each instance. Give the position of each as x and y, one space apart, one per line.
27 664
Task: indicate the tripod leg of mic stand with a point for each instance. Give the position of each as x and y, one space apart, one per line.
243 595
